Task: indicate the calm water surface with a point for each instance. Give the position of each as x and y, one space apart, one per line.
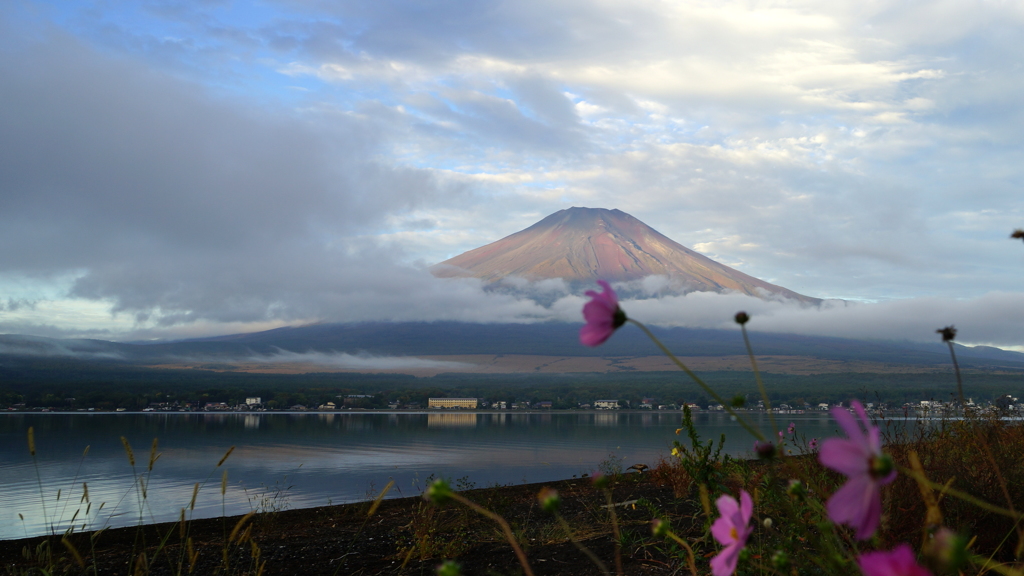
312 459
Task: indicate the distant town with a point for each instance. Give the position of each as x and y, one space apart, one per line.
1006 405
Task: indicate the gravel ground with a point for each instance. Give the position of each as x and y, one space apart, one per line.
402 536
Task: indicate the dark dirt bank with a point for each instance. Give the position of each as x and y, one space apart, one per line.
402 536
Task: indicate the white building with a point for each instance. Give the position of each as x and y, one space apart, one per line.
606 404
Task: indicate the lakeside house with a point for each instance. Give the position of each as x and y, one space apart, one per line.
470 403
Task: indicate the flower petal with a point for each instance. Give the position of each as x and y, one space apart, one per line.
722 529
727 506
897 562
725 563
844 456
608 294
857 504
594 334
598 311
849 425
746 508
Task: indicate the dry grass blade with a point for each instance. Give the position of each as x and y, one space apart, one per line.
380 498
963 496
74 552
152 455
195 492
128 450
239 525
31 441
933 516
193 555
226 454
224 483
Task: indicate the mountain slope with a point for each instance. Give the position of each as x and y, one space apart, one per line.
582 245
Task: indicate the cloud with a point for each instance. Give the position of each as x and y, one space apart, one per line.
159 165
36 346
357 361
993 319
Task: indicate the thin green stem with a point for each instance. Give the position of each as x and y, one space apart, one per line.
505 528
956 368
988 564
586 551
961 495
691 559
615 531
760 385
743 422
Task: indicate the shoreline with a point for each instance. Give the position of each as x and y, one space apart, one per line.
347 539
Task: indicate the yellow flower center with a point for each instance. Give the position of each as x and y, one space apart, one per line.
732 532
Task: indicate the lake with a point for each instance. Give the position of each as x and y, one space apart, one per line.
299 460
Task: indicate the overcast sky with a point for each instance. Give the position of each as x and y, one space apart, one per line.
173 168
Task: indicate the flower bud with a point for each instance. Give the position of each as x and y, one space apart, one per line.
764 450
619 318
659 527
946 550
600 481
439 492
796 489
449 568
881 466
742 318
780 559
948 333
549 499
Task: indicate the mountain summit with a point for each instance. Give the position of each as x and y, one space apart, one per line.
581 245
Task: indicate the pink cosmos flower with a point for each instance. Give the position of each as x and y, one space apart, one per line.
792 427
813 444
731 529
858 503
898 562
602 314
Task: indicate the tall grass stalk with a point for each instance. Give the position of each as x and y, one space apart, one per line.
35 465
74 481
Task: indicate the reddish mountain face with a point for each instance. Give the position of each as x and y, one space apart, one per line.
581 245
